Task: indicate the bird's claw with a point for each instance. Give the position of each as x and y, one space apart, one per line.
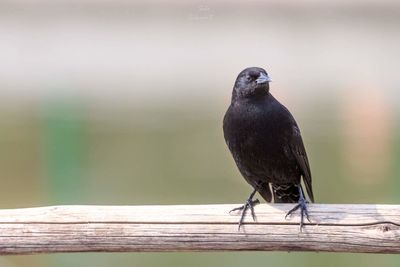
302 205
249 204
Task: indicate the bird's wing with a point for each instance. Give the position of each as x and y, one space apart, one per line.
299 152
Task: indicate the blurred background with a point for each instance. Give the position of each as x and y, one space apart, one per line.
121 102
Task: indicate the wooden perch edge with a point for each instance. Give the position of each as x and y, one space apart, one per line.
338 228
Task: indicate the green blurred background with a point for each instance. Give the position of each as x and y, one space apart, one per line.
121 102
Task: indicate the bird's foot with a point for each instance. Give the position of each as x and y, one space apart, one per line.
302 205
249 204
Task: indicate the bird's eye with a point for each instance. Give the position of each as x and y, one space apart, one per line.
249 78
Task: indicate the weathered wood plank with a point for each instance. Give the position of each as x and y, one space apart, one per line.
348 228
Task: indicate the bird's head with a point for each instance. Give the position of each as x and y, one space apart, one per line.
251 82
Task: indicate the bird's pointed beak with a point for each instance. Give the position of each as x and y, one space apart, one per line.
263 78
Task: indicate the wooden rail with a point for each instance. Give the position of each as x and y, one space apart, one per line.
348 228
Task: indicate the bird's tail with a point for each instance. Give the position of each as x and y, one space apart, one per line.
285 193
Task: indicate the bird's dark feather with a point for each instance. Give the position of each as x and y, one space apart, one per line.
299 152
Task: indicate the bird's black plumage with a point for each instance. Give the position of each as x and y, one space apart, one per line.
265 142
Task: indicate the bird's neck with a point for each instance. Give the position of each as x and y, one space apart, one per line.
256 93
253 97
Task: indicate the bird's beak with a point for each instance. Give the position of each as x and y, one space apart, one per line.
263 78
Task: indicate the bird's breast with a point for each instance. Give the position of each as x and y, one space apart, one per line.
254 128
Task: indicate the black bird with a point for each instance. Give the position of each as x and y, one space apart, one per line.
266 144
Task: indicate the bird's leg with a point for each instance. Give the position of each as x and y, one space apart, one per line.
250 203
302 205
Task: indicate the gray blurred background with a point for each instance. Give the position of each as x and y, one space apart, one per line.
121 102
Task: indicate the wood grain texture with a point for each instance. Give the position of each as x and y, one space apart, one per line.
336 228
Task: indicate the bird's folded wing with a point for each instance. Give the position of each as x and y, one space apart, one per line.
299 152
